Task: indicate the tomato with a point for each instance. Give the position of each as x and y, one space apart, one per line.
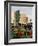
20 34
30 33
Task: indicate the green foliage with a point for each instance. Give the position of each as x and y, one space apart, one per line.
17 16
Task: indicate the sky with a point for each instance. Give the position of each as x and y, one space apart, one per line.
22 9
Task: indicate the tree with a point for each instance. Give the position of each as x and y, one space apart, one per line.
17 16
